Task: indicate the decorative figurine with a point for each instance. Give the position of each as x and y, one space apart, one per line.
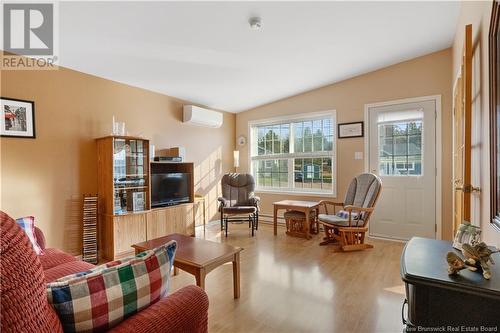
477 256
455 263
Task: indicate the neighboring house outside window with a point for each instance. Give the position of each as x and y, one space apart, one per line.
400 148
295 154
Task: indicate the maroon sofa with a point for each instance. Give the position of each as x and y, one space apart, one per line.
24 306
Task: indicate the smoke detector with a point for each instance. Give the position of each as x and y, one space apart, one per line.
255 23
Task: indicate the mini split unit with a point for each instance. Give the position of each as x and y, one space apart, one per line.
202 117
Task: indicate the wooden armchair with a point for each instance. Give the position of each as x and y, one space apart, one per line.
347 228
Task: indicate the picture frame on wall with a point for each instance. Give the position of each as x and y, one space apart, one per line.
351 130
17 119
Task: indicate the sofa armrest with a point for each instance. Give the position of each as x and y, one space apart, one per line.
40 238
186 310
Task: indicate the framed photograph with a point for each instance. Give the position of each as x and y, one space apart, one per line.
351 130
17 119
466 234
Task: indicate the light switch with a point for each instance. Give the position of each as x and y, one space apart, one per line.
358 155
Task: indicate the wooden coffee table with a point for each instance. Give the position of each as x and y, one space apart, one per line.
301 206
199 256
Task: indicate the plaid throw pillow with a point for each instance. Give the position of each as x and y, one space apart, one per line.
345 215
27 223
98 299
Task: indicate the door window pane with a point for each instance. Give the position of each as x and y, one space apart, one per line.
400 148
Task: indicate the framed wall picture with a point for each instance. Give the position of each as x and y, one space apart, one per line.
17 119
351 130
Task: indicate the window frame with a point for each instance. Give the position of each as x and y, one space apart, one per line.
291 156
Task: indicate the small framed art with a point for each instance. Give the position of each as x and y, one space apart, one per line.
351 130
17 119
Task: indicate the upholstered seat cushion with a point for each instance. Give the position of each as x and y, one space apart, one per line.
240 210
297 214
339 221
65 269
54 257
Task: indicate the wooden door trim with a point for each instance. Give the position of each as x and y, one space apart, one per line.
494 100
467 82
438 153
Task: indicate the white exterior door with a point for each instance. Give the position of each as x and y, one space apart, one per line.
402 151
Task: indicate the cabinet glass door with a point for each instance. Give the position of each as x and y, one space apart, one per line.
130 175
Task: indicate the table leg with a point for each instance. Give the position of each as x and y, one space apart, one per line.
236 275
308 224
200 278
204 215
176 271
275 220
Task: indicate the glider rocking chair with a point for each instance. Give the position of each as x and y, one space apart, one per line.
238 202
347 228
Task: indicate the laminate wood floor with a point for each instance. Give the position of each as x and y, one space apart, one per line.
293 285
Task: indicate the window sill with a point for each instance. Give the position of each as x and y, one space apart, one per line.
299 194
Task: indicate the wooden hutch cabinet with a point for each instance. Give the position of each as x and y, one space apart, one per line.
125 214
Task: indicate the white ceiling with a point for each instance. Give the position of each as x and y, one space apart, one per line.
205 52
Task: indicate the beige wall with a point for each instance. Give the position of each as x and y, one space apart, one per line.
478 14
427 75
46 177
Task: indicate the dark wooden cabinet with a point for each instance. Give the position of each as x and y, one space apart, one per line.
435 299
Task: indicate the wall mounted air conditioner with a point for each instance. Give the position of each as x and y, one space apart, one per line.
202 117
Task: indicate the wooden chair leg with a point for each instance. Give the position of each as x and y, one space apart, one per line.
226 227
221 220
328 239
253 224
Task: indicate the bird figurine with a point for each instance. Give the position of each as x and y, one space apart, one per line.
479 255
476 256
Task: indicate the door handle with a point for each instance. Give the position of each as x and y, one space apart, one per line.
468 189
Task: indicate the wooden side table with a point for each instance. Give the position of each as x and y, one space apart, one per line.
302 206
199 257
432 295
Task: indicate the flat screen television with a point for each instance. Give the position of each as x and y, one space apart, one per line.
169 189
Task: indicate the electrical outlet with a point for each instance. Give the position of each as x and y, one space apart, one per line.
358 155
